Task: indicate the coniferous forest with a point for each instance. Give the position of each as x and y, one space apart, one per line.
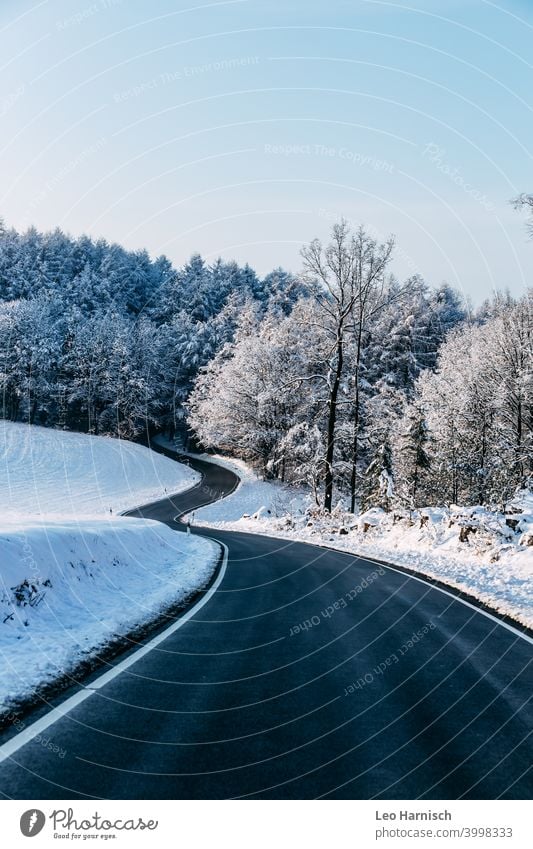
342 377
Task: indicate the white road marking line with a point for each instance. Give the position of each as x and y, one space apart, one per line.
427 581
40 725
409 573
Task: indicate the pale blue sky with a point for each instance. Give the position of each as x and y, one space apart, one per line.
245 128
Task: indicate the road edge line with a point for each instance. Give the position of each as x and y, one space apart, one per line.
515 626
25 736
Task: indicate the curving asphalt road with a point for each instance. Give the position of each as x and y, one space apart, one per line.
309 673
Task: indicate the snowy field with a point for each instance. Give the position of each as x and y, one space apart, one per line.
73 575
493 561
52 471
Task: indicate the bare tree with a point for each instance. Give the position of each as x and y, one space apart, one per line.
371 295
351 271
525 201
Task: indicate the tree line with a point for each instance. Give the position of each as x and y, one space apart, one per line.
381 392
107 341
358 385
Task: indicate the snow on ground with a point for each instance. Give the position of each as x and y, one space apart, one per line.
73 576
252 498
70 587
52 471
486 554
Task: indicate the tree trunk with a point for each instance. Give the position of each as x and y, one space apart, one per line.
518 460
332 418
355 446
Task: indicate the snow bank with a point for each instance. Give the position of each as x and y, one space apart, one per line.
472 549
46 471
253 497
68 588
73 576
484 553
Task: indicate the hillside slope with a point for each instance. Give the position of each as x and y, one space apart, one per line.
73 575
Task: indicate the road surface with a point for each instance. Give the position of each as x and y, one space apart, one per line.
308 673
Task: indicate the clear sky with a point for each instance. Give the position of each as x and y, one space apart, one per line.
245 128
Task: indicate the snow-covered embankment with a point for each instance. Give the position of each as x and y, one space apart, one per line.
74 575
487 554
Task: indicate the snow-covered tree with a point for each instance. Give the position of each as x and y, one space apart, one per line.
524 202
350 273
412 460
478 406
301 456
378 486
257 388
